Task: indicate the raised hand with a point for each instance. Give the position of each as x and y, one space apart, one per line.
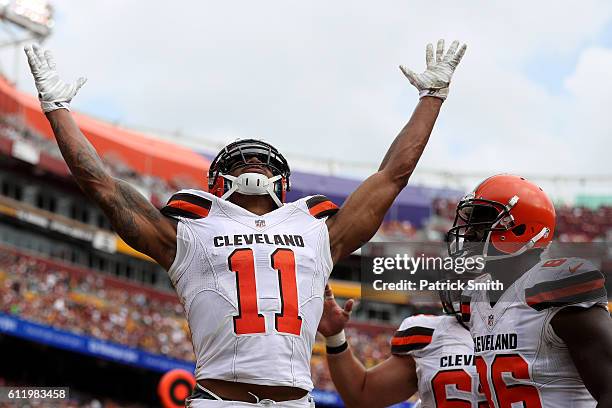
434 81
53 92
334 317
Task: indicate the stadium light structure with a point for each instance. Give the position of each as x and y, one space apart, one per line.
21 21
34 18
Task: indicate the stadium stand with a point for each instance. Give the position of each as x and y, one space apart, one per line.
92 304
28 145
62 267
107 308
583 224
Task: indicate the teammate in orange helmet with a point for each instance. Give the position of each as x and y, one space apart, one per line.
546 340
249 269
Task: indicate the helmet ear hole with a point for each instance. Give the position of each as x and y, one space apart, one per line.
519 230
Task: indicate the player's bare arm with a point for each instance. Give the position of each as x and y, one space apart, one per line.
362 213
389 382
588 336
133 217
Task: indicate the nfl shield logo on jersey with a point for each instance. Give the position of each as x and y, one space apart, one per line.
260 223
490 321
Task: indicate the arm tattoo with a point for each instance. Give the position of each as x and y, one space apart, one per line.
123 209
79 154
130 213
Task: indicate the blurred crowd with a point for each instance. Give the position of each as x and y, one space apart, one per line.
37 291
574 224
371 348
581 224
42 292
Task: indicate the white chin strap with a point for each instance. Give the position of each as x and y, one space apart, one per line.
252 184
528 245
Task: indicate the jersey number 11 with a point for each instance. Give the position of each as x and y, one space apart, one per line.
249 320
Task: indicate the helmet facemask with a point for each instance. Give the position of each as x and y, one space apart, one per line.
238 155
478 222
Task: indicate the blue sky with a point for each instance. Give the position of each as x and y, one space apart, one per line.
549 69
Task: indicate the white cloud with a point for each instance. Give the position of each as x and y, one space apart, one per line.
589 129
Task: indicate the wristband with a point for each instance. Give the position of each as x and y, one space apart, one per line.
436 93
51 106
337 350
336 340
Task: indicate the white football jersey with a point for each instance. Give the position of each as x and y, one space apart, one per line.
252 286
444 355
519 358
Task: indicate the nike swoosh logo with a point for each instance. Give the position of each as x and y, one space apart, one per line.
575 268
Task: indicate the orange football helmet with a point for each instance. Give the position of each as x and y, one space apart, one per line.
505 212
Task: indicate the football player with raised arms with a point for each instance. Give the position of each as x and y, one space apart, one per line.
545 341
431 355
249 269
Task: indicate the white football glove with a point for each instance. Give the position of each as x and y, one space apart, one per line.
53 92
436 78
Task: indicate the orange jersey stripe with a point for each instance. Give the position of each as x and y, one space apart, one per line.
565 292
324 206
402 341
192 208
